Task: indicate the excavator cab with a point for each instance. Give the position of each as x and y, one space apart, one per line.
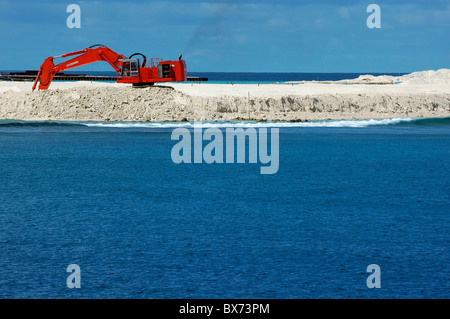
130 68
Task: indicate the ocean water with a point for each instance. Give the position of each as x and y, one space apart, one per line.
249 77
108 197
270 77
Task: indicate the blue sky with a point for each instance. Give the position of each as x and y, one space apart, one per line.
236 36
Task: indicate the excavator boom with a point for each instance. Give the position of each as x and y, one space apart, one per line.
128 70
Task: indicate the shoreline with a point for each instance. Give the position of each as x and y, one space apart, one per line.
419 95
360 122
163 104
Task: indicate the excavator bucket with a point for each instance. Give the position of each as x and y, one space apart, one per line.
45 74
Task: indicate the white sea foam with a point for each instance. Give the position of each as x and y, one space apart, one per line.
206 124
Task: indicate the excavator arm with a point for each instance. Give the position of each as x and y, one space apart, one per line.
86 56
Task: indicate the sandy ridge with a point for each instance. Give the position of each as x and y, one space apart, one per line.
419 94
155 103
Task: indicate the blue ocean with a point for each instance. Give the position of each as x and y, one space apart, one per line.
270 77
107 197
246 77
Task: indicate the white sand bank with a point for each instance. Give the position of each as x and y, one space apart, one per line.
420 94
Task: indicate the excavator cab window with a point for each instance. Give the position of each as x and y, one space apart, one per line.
130 68
164 71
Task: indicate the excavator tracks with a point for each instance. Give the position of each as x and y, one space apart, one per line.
151 85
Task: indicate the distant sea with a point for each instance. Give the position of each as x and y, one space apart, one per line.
253 77
107 197
249 77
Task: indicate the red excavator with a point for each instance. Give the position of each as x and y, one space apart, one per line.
129 69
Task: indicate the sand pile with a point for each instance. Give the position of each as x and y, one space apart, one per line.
157 103
420 94
441 76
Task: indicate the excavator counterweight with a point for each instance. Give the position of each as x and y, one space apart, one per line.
128 69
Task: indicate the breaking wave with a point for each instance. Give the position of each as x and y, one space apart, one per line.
422 122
